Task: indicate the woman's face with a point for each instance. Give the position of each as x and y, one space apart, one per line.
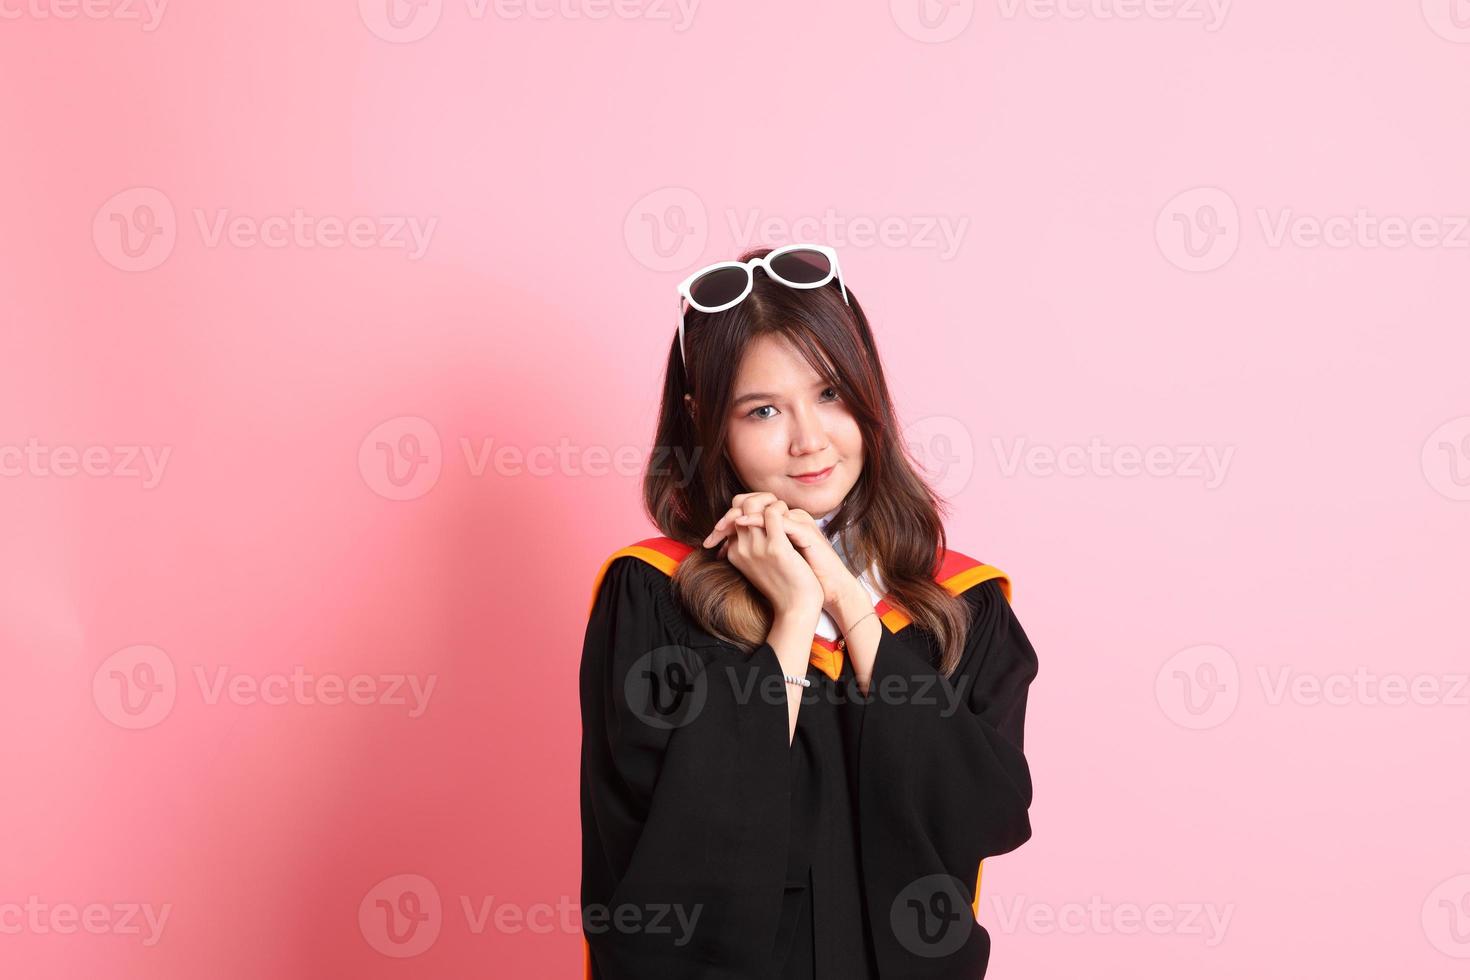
786 422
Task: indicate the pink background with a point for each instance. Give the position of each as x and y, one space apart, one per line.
1114 187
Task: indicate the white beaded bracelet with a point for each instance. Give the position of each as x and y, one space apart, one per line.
803 681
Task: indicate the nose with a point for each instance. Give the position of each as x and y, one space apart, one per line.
809 435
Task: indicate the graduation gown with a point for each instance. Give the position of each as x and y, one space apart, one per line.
714 849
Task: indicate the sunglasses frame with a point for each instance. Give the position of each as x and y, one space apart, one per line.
763 262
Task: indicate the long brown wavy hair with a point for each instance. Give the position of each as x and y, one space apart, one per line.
890 516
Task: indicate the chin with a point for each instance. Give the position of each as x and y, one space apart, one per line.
813 501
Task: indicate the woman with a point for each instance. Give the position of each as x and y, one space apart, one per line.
802 715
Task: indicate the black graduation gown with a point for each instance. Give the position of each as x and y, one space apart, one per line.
713 849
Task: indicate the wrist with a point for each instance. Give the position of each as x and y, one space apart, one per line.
853 604
797 617
791 637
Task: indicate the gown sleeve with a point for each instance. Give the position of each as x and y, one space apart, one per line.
685 791
943 784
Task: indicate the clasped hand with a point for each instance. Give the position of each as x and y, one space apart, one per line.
784 554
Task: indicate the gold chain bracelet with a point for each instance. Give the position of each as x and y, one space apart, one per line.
842 643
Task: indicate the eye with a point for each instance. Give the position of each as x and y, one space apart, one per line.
825 391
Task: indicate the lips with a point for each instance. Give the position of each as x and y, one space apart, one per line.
815 476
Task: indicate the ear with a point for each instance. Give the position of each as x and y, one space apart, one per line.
689 403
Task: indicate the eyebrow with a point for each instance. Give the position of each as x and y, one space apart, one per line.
768 396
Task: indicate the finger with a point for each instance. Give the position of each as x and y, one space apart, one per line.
757 518
772 521
754 535
748 503
801 536
754 503
721 526
739 507
740 498
775 525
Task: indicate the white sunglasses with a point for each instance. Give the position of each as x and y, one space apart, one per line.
722 285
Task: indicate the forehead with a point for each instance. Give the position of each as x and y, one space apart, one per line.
772 362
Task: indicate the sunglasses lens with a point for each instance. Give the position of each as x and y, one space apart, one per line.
802 266
719 287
